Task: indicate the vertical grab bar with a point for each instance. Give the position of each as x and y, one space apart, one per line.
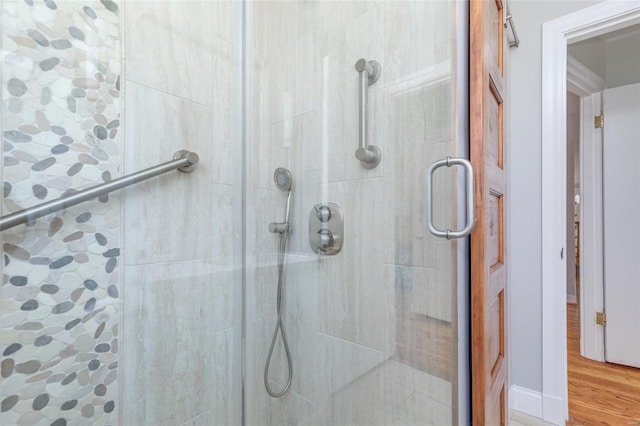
369 155
471 201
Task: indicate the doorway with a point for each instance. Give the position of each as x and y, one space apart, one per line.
557 34
591 381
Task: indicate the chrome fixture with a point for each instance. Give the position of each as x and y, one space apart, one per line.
282 178
471 212
369 155
184 161
509 20
326 228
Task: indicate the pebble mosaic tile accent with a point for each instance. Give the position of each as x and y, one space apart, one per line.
61 274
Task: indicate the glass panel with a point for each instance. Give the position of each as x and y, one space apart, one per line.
126 309
131 309
371 330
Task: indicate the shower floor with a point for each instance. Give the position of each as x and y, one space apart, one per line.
411 397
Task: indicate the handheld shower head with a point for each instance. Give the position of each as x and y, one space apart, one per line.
282 178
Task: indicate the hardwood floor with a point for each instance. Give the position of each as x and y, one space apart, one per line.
599 393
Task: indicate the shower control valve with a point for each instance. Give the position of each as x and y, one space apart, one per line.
326 228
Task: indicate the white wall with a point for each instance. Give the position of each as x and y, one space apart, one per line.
524 241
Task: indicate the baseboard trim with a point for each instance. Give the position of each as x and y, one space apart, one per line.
571 298
555 410
525 401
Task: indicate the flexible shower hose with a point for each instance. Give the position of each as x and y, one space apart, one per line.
282 245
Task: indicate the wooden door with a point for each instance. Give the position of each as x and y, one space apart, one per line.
621 195
488 271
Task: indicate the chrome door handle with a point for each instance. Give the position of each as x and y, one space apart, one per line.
470 198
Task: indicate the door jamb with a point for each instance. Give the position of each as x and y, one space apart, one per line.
580 25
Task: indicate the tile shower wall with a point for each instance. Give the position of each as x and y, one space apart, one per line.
119 310
179 293
370 329
61 290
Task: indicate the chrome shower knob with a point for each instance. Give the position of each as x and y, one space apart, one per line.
326 228
323 213
326 240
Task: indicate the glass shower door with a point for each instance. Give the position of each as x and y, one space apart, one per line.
372 329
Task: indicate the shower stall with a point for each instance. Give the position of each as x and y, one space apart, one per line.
156 304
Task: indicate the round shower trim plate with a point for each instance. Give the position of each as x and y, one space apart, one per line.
192 157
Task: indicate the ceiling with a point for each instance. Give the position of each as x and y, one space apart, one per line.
614 56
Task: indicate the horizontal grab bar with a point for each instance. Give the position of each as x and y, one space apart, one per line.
185 161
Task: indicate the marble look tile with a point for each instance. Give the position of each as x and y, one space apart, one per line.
280 62
261 409
421 410
359 403
351 291
254 351
294 144
350 383
390 393
177 320
402 380
341 362
300 324
261 255
421 129
421 290
289 52
169 47
226 19
226 110
417 35
165 124
290 410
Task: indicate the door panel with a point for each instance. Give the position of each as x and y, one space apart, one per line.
488 271
621 167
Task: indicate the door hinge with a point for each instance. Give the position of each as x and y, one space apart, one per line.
601 319
598 121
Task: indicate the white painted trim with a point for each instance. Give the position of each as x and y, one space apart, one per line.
525 401
554 409
581 80
571 298
589 22
591 242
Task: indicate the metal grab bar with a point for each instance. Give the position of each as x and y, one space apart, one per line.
185 161
471 203
369 155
